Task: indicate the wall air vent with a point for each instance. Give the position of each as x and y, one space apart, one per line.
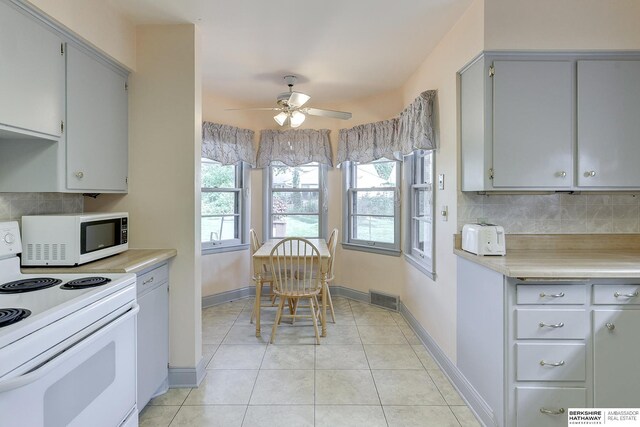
381 299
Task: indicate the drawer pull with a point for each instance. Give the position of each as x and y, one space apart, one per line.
552 411
619 295
148 281
552 364
547 325
543 295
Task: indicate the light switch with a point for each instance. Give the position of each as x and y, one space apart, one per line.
441 181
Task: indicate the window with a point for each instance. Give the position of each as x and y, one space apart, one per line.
222 205
420 210
295 201
372 206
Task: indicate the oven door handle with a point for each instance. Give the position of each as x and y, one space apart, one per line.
63 356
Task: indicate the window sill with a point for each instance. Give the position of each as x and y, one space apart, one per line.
210 250
420 266
371 249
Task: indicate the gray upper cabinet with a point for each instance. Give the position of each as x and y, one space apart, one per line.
608 123
31 76
97 136
533 124
550 121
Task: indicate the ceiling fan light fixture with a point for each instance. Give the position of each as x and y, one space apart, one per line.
297 118
281 118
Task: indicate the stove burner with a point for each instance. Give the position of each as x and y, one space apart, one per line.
85 282
12 315
28 285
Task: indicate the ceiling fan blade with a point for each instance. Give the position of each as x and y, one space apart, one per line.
254 109
342 115
298 99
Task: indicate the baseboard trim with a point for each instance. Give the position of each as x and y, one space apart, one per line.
474 401
472 398
228 296
187 377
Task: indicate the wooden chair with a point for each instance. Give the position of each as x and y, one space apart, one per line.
265 274
299 255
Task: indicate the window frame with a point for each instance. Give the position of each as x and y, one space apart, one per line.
349 174
241 210
267 211
414 182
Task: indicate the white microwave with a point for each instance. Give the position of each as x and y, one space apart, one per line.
73 239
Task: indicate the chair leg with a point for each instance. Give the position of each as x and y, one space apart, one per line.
314 318
333 314
256 306
275 323
295 311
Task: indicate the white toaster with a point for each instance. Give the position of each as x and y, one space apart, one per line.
483 239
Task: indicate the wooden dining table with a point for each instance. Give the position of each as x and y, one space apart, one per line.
262 257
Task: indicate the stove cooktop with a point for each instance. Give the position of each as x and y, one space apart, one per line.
9 316
28 285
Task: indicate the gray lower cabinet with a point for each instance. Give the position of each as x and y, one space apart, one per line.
31 75
533 349
153 333
97 136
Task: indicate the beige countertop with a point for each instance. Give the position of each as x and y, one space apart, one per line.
564 257
131 261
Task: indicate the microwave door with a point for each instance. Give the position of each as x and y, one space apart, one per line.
98 235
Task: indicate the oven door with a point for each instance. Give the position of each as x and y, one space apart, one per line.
92 383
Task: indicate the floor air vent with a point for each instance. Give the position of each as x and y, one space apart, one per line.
384 300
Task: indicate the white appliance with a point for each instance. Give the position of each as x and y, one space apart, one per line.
73 239
67 345
484 239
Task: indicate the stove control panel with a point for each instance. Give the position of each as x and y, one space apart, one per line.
10 243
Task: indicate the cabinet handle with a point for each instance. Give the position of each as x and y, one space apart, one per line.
619 295
547 325
590 174
552 411
552 364
148 281
543 295
610 326
80 175
562 174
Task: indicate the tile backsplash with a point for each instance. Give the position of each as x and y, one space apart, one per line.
14 205
553 213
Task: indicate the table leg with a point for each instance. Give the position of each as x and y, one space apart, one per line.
324 304
256 304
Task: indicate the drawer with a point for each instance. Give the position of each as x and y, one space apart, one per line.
550 294
153 278
533 403
616 294
551 324
535 362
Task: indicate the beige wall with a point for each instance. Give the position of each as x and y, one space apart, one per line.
164 171
566 24
98 23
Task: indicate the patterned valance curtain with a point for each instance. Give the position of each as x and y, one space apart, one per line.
294 147
227 144
391 139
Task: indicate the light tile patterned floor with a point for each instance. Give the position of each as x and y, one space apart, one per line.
370 370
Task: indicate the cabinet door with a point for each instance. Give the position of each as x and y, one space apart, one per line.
616 353
533 124
97 136
608 123
31 74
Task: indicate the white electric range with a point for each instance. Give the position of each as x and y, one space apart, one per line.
67 345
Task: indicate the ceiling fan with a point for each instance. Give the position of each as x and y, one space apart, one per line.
291 110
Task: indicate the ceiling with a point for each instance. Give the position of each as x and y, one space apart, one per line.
340 50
